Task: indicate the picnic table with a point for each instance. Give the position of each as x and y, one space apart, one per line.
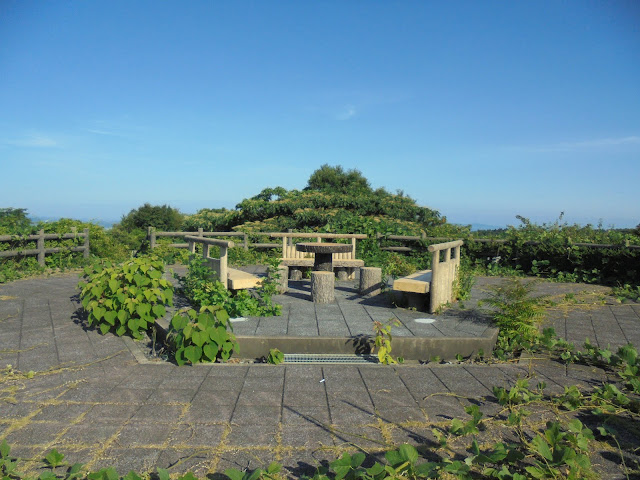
323 253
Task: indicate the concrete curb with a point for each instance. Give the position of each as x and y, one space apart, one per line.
410 348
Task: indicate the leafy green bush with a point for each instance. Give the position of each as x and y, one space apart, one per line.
516 313
204 337
127 298
201 290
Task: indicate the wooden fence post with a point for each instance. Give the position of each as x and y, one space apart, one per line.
151 235
40 247
85 253
246 241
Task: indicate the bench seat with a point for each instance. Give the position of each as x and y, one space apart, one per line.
308 262
434 287
418 282
239 280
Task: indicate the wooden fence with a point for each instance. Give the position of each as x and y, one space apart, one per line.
495 241
41 249
406 240
152 236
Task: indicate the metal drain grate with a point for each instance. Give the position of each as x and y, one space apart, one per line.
328 358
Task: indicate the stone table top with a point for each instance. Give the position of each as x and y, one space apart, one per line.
318 247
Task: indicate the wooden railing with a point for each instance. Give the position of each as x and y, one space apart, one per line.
496 241
218 265
152 236
41 249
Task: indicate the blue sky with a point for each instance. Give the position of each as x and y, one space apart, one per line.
481 110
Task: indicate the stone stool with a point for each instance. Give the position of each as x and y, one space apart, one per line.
370 281
322 285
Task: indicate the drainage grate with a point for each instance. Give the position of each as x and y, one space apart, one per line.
328 358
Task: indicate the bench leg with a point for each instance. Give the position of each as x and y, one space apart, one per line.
295 273
341 273
416 300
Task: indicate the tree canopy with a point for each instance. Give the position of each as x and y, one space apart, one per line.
336 180
161 217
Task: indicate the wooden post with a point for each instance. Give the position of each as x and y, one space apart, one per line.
205 250
224 271
434 289
40 247
151 235
322 285
283 281
246 241
370 280
200 232
85 253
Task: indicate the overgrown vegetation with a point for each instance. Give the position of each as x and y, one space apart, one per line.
202 337
127 298
199 286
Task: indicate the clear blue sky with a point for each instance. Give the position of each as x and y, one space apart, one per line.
481 110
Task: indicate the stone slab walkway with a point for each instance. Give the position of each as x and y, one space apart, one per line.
92 400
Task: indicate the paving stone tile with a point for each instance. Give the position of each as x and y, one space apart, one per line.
111 413
460 381
392 397
253 397
144 434
272 384
174 395
87 393
348 414
365 437
400 414
233 371
208 414
215 397
309 436
418 435
35 433
153 413
309 397
249 458
252 435
61 412
140 460
256 415
89 434
357 397
183 460
197 435
305 415
213 384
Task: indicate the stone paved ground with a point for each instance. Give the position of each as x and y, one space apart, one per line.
92 400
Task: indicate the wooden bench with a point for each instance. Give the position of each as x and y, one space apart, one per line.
344 264
231 278
437 282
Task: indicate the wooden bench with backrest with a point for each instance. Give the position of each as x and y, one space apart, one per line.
344 264
438 282
231 278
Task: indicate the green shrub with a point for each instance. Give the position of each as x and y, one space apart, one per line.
202 290
127 298
204 337
516 313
